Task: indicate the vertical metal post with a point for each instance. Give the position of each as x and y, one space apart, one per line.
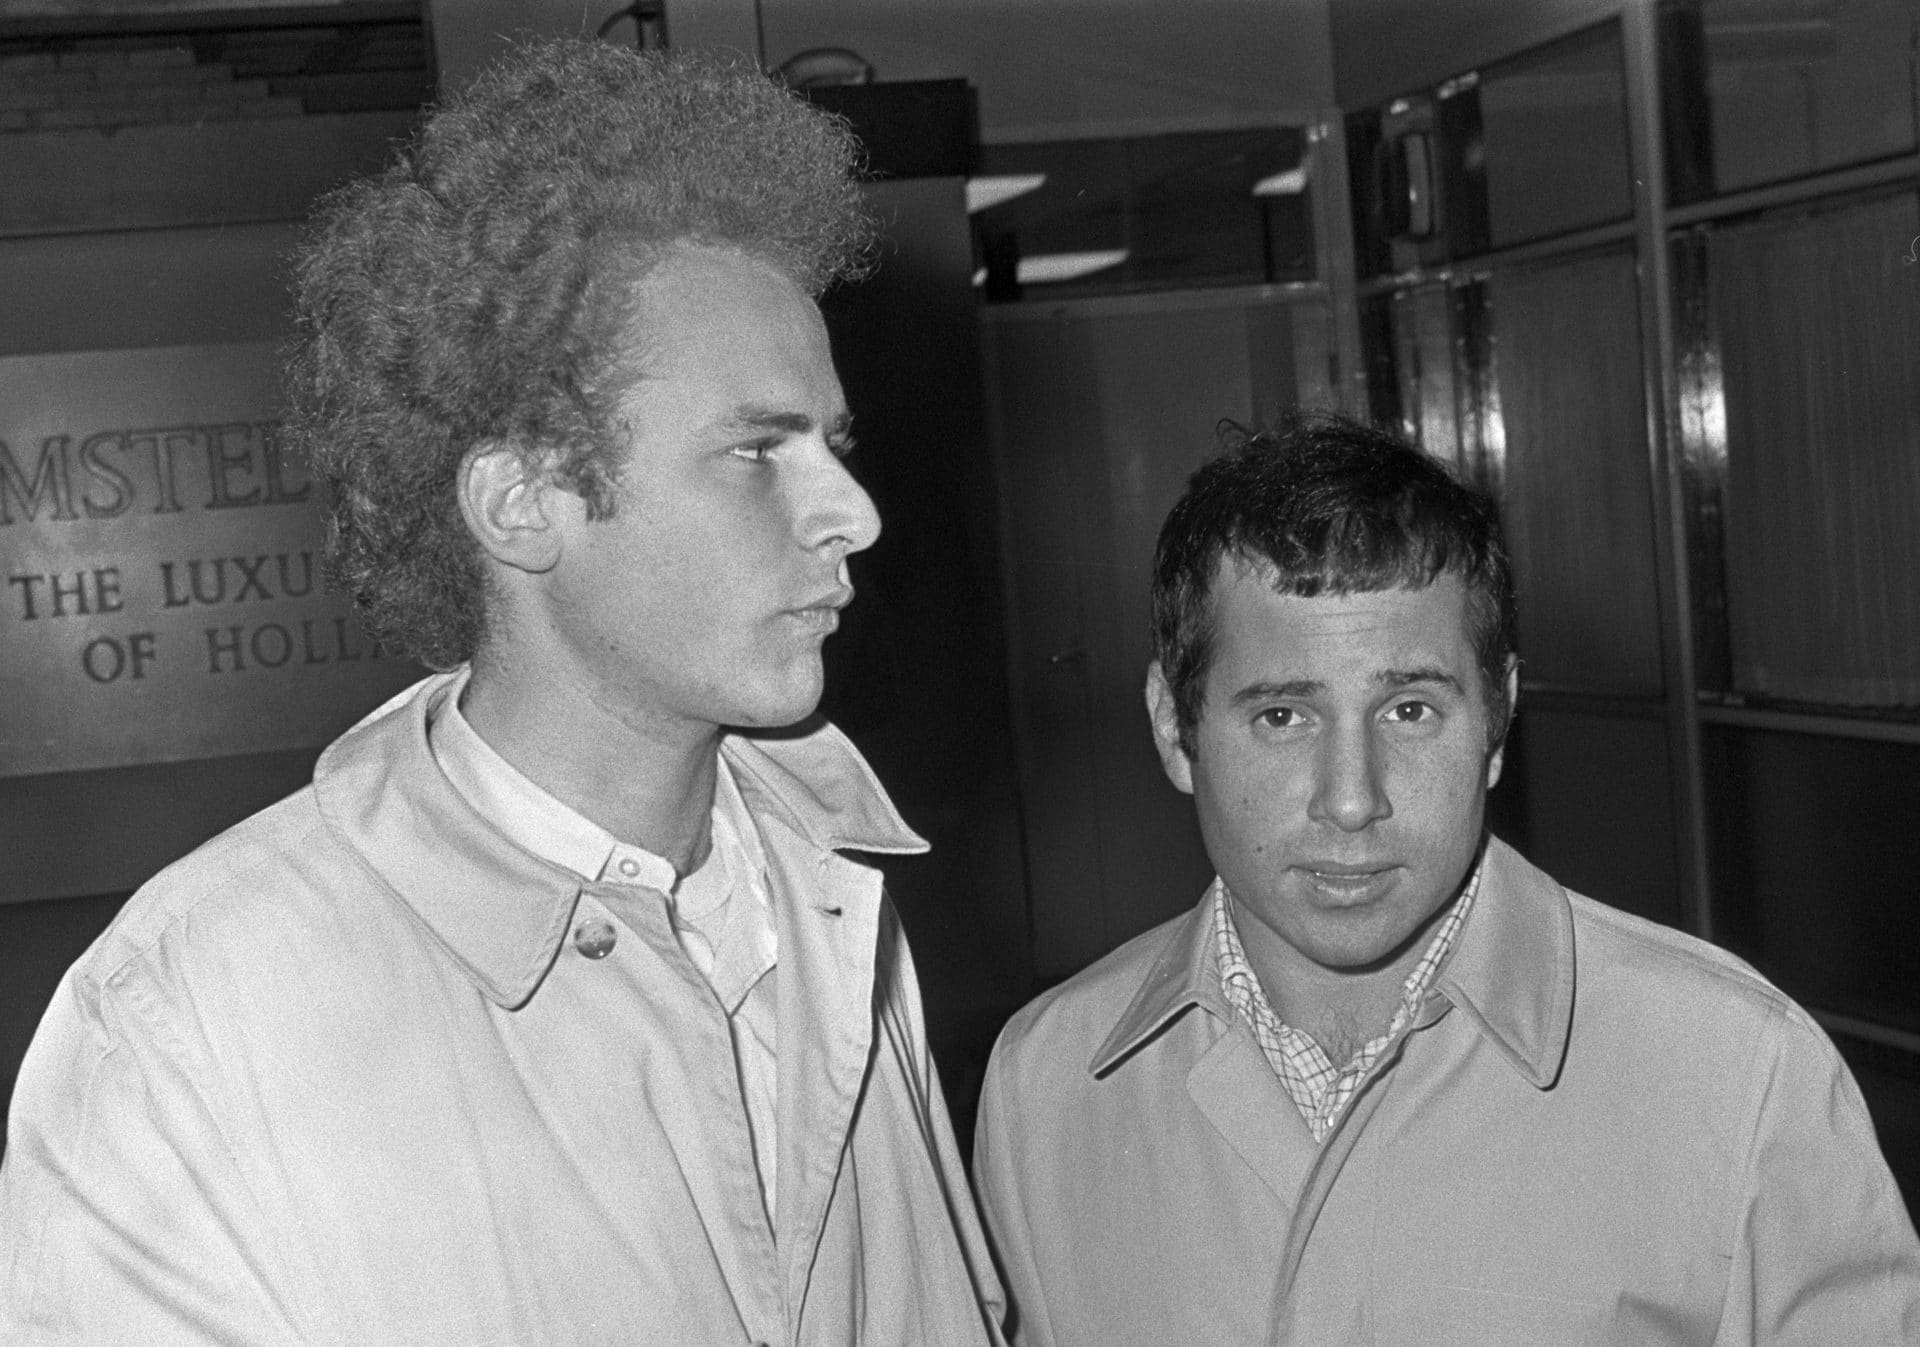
1333 245
1640 29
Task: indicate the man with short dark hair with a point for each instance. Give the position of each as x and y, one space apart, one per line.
1388 1083
550 1012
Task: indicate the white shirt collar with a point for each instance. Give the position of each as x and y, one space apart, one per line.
530 818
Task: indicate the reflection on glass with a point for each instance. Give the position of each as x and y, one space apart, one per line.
1553 131
1798 86
1177 211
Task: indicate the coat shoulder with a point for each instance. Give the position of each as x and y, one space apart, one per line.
1646 958
1075 1017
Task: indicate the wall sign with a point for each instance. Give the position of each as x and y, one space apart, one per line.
160 567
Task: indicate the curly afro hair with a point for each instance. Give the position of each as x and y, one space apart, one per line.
478 289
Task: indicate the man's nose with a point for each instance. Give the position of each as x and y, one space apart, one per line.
1350 791
839 512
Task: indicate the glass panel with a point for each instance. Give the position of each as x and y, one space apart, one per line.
1577 501
1797 86
1592 804
1813 856
1553 129
1100 217
1817 318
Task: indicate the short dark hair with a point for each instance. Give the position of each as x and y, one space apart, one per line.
1325 505
477 291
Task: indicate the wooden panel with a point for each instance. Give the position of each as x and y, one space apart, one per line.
81 833
1100 415
1043 411
1595 802
37 942
1818 321
1577 500
1814 855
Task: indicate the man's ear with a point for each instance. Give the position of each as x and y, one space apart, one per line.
513 507
1166 730
1497 759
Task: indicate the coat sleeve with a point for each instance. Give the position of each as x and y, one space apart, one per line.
903 1003
1825 1250
996 1153
123 1218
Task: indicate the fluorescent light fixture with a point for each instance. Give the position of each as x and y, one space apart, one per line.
1048 268
984 193
1292 182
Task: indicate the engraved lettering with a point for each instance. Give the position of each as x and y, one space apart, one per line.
271 644
250 578
278 492
224 642
77 591
51 484
217 569
28 611
106 475
229 451
287 591
106 591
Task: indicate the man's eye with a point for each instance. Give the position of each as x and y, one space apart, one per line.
1409 713
842 445
1279 717
755 451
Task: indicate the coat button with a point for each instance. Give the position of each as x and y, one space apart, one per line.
594 937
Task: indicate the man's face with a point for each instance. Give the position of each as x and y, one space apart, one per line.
706 598
1341 761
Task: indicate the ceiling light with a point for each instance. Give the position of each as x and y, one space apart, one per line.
1292 182
985 193
1051 268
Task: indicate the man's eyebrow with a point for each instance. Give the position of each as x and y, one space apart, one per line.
1254 693
792 423
1402 678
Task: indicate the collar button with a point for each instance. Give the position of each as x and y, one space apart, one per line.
629 867
594 937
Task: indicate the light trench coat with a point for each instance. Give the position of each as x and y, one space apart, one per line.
344 1076
1598 1131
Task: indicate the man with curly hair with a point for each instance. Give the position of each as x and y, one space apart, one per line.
550 1012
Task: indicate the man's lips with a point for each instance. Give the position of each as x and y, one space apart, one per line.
1345 881
824 612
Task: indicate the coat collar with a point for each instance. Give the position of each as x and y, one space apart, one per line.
1512 972
501 912
1183 975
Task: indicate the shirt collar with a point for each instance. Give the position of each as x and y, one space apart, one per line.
526 815
501 909
1240 984
1511 971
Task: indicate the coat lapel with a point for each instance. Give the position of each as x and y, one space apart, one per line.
1237 1092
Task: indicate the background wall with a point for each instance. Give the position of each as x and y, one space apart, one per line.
1043 70
1387 47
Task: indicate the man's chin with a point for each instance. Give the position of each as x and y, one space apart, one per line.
786 710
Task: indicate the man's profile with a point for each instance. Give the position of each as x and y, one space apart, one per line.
1387 1082
551 1011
